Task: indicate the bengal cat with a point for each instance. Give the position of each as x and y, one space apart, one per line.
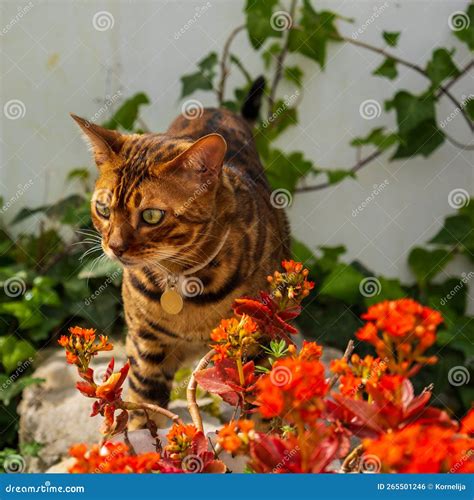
194 198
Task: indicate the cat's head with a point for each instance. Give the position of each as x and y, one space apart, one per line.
155 194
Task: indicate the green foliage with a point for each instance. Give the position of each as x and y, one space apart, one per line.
388 69
258 15
391 37
126 116
201 79
464 26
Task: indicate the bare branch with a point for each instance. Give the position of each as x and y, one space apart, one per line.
223 63
193 407
345 356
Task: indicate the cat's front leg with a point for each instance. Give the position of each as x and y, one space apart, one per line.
151 376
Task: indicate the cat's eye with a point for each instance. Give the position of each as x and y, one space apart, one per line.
152 215
102 210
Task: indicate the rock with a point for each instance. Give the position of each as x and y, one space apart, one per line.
55 414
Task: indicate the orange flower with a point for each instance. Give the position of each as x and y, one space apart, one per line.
292 284
292 390
421 449
111 458
310 351
467 423
234 337
235 437
179 439
401 330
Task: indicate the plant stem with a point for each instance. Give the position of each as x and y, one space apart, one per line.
223 63
279 63
240 369
351 460
360 164
127 405
347 354
193 407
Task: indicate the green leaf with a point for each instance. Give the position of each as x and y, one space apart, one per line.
203 78
285 170
32 448
388 69
378 138
313 34
449 297
330 257
463 26
426 264
258 16
270 55
441 67
459 335
457 230
82 174
417 125
127 114
469 107
294 74
13 352
301 253
391 37
335 176
343 283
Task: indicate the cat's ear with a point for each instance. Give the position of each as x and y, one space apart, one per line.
104 143
205 156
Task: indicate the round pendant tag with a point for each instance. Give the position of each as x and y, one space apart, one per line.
171 301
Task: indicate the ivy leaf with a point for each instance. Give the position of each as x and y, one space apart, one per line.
314 32
330 257
259 27
441 67
302 253
426 264
127 114
270 54
449 296
343 283
335 176
391 37
458 335
388 69
294 74
203 78
14 352
469 107
456 230
417 127
378 138
284 170
466 23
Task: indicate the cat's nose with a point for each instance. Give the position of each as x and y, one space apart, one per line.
118 247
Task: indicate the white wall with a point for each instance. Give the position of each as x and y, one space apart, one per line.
54 61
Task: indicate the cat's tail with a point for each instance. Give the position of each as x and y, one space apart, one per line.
251 107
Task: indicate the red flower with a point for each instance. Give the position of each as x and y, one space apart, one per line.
234 337
235 437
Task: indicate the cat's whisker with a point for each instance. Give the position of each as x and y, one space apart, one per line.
90 251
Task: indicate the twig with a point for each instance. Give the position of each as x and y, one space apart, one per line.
457 77
193 407
347 354
223 63
442 89
360 164
279 62
127 405
352 459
